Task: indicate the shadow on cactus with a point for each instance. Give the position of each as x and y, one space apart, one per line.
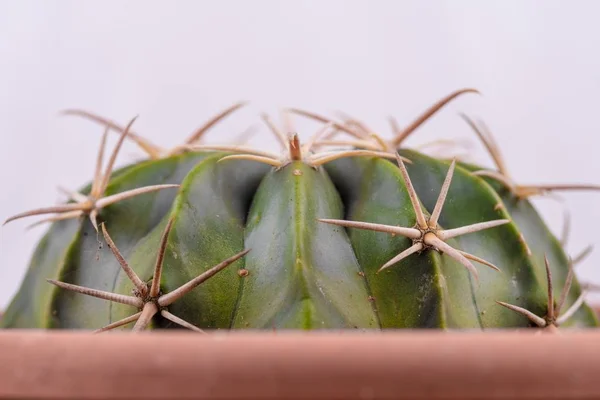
334 233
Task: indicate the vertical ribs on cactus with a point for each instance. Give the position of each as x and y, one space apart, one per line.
426 232
553 318
147 297
341 238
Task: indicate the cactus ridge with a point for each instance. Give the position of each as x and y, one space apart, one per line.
553 317
322 238
427 234
148 297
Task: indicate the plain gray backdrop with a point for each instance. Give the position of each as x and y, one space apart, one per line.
176 63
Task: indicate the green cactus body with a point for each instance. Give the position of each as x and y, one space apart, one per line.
300 273
541 243
72 251
208 238
209 215
303 274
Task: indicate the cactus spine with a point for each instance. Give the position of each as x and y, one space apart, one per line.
357 233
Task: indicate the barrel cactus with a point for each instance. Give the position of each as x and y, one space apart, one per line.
356 233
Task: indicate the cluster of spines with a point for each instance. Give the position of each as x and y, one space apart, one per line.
425 234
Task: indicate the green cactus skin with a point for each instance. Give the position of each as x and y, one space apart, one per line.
210 210
71 251
436 290
511 254
301 273
542 243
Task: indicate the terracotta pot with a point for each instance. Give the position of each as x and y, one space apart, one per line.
317 365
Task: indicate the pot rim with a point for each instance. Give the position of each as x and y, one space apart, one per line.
291 364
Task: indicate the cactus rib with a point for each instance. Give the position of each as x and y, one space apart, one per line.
147 297
427 234
303 274
553 318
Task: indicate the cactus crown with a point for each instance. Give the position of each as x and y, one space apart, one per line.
332 233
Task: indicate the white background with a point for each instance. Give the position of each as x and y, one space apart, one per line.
177 63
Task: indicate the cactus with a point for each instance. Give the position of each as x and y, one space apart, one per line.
367 235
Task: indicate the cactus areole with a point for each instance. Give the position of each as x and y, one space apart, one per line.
346 230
